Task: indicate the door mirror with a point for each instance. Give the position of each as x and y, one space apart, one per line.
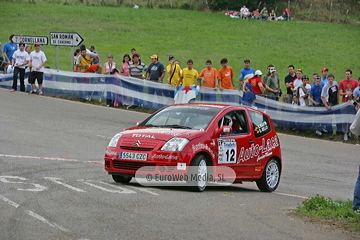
223 131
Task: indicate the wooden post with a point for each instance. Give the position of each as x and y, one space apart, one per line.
259 5
171 4
347 12
331 7
207 4
310 12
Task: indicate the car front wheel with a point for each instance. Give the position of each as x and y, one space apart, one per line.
198 174
121 178
270 178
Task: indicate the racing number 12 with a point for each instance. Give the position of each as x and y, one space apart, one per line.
230 155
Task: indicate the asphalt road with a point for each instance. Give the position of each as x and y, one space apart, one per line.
53 185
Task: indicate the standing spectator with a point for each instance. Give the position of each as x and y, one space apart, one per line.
347 86
189 75
356 93
246 73
288 80
272 16
226 80
324 73
330 97
264 14
136 67
76 56
244 12
19 59
173 70
28 49
302 92
95 60
226 75
256 84
85 59
209 76
272 85
355 128
133 52
37 62
297 81
346 89
9 48
125 65
287 14
110 68
156 70
315 92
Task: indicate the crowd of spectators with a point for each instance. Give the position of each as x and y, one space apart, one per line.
262 14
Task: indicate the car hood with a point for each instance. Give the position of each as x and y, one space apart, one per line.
163 134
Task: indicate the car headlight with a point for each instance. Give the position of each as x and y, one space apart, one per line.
113 142
175 144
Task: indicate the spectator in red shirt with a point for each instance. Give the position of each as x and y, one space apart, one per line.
286 14
256 84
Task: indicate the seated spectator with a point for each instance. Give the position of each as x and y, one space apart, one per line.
244 12
256 14
264 14
286 14
7 67
272 16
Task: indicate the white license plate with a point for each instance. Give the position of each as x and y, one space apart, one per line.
133 156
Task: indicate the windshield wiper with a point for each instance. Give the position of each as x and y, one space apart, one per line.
151 125
176 126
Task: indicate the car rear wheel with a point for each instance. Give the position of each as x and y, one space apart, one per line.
121 178
270 178
198 174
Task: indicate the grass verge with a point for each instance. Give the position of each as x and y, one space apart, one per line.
328 211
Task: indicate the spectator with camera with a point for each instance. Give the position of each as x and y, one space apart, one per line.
173 70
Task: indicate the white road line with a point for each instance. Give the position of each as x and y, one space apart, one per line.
34 215
122 190
56 180
144 190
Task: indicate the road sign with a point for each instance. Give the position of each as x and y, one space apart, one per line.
30 39
65 39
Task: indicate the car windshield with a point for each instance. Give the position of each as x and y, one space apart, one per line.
186 117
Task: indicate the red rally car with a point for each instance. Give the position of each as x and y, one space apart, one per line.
201 136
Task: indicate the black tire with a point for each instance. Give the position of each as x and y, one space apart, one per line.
197 174
270 178
121 178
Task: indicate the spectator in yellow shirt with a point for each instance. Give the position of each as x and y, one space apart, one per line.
188 75
173 70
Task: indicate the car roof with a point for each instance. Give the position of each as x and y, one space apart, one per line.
214 105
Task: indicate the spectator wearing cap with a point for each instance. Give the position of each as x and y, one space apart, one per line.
156 70
272 85
288 80
315 92
324 73
37 62
95 60
136 67
256 84
173 70
297 81
302 91
20 59
346 89
9 48
209 76
85 59
246 73
188 75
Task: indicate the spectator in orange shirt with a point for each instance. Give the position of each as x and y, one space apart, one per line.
226 80
209 76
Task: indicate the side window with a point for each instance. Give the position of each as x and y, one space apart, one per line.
236 120
260 123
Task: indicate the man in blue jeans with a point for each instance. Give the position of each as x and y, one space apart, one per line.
355 129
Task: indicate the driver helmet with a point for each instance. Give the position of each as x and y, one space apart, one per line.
227 121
